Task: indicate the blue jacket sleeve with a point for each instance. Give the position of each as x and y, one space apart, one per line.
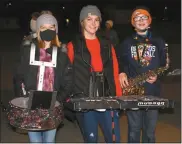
122 55
162 53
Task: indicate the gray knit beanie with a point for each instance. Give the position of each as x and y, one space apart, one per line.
89 10
47 19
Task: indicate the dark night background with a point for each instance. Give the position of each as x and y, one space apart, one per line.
166 22
22 9
15 18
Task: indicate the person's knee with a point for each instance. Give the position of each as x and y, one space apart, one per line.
134 136
134 126
150 136
150 131
134 130
49 136
35 137
91 137
134 116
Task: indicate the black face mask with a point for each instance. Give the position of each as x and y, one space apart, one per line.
48 35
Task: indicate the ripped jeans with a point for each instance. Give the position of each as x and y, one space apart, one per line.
142 119
92 119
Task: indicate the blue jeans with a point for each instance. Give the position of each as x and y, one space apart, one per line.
89 125
42 136
145 120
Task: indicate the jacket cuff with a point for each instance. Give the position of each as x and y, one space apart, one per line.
62 96
121 69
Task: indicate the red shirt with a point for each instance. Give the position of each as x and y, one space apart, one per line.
96 61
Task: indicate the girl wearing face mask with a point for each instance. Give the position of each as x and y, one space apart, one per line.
47 48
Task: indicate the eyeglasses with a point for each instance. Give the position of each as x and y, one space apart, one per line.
138 18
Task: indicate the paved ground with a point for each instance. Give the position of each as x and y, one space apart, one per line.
168 128
165 132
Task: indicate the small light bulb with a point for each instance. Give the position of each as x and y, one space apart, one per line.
67 20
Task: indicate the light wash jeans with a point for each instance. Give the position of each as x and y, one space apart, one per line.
42 136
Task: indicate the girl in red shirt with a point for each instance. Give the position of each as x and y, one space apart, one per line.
92 46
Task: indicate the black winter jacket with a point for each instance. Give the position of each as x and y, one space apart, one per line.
27 74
